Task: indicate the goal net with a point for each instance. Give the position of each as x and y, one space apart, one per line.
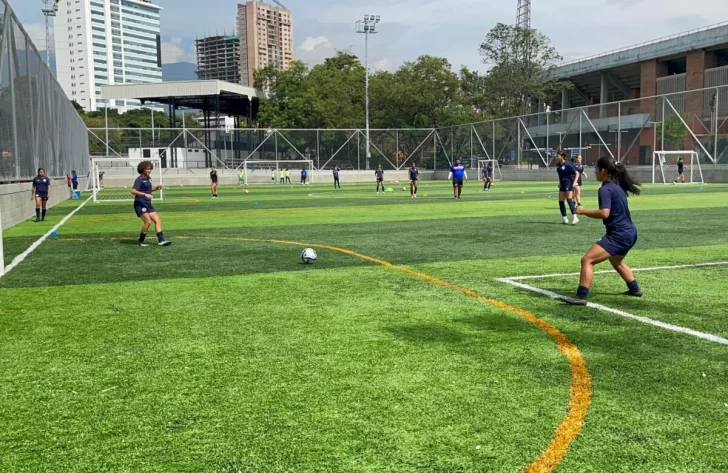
113 178
483 164
271 172
666 167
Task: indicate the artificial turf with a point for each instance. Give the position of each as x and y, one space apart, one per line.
225 353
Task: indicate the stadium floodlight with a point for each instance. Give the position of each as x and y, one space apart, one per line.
367 27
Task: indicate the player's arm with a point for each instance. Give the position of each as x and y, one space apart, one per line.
137 192
49 188
465 174
32 191
601 214
157 188
449 176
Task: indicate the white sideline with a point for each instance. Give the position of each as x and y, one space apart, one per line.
21 257
608 271
644 320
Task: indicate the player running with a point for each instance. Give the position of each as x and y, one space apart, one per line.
142 192
213 181
336 176
40 192
457 175
414 175
621 233
680 171
379 173
568 177
577 189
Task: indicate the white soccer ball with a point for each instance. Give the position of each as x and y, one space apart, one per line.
309 255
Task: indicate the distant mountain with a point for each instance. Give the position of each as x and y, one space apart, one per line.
179 71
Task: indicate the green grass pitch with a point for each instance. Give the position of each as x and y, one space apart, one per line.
225 354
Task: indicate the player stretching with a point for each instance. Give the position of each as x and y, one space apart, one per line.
40 192
577 189
457 175
621 233
379 173
142 192
213 180
336 176
568 177
488 176
680 171
414 175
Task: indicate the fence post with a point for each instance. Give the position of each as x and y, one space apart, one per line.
619 132
717 116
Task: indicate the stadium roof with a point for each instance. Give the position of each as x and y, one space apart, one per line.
233 99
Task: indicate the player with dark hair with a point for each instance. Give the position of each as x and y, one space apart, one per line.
457 175
577 189
142 192
621 232
41 192
488 176
568 178
213 179
414 175
336 176
680 171
379 174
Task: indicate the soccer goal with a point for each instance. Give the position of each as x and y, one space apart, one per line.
113 178
259 171
665 167
483 163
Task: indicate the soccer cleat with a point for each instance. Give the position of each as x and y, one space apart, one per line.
575 221
565 220
143 245
632 293
574 300
164 243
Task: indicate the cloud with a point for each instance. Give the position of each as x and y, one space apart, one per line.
383 64
173 51
310 44
314 49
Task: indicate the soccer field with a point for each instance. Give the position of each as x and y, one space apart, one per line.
406 347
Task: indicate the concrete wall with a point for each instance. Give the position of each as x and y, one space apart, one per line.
16 204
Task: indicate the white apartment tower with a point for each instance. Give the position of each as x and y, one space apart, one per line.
100 42
266 37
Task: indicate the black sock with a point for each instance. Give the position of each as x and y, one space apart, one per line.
633 286
37 213
160 236
582 292
142 236
43 213
572 207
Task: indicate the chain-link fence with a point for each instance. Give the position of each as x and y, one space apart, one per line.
38 125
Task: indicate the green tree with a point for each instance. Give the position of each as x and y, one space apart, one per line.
674 131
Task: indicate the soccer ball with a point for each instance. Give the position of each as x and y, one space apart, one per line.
247 191
308 255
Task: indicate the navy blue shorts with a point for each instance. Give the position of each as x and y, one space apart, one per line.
618 245
566 186
43 197
142 209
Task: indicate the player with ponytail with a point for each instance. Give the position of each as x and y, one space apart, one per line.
621 233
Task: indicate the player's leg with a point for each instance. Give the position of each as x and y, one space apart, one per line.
633 288
416 185
460 188
594 255
37 208
562 206
146 223
43 204
572 207
154 216
577 195
454 188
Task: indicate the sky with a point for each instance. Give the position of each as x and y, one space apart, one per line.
409 28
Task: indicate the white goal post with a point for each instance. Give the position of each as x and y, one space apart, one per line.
483 163
113 178
261 171
665 168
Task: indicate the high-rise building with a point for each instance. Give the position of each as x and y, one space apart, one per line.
266 37
218 57
100 42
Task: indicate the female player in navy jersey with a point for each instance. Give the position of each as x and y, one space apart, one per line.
414 175
41 192
142 192
577 189
213 180
621 233
379 174
568 177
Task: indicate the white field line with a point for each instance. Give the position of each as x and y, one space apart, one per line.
644 320
21 257
608 271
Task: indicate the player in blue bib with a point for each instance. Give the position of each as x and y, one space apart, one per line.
568 178
457 175
577 189
40 193
213 180
304 176
336 176
621 233
414 176
142 192
379 174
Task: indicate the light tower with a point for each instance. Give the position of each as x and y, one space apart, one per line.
367 27
524 14
49 9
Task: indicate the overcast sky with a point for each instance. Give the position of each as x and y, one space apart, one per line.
409 28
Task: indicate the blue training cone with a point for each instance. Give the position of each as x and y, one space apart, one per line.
54 234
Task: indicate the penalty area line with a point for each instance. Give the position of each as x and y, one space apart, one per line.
21 257
611 271
645 320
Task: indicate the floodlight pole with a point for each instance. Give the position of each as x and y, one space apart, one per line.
367 27
49 8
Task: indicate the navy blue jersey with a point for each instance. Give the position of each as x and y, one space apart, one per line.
143 184
566 171
414 174
489 171
458 171
336 173
614 198
680 165
379 173
213 176
41 185
580 169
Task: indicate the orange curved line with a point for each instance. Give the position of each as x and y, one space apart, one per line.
580 389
